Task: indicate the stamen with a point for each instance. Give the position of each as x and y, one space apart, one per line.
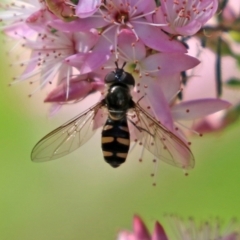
68 83
155 170
145 14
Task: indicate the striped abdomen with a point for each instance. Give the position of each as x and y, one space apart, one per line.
115 141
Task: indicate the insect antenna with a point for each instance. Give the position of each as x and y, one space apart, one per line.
124 64
116 63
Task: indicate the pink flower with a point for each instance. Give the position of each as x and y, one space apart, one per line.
87 8
218 121
53 53
151 64
204 75
21 18
112 16
172 111
76 88
185 230
140 232
185 17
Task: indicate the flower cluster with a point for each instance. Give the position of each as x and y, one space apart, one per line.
183 230
73 44
185 67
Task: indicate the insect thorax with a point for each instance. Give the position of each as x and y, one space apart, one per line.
118 100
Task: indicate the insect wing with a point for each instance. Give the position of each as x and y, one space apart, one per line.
68 137
161 142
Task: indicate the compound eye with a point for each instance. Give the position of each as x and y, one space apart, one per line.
128 79
110 78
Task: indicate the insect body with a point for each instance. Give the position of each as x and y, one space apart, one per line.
115 133
161 142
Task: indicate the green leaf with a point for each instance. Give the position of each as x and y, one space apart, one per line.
233 82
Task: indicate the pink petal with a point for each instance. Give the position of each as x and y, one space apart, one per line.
54 109
143 6
170 85
169 63
208 14
87 62
158 103
38 20
85 41
184 30
81 24
194 109
19 30
189 29
125 40
87 8
159 233
123 236
154 38
32 64
126 236
210 125
76 90
99 119
140 230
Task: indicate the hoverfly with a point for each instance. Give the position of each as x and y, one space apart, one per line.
122 112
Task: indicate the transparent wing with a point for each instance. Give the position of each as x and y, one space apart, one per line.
161 142
69 136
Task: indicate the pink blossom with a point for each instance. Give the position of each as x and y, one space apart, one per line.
21 18
77 88
186 110
218 121
186 230
140 232
53 51
113 16
204 75
185 17
87 8
154 65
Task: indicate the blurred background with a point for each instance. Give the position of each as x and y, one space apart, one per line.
81 197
